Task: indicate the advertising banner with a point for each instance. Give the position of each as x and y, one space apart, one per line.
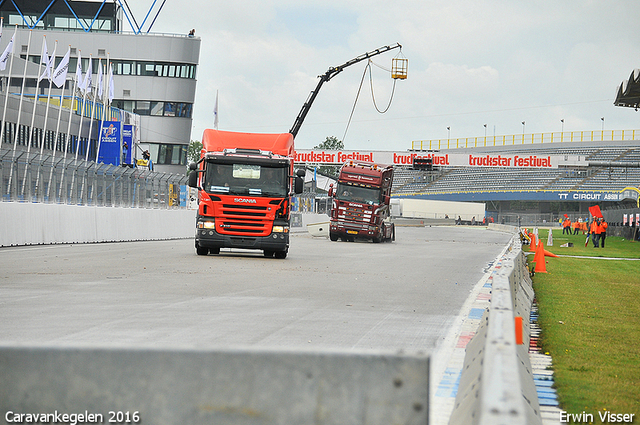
111 143
329 157
127 137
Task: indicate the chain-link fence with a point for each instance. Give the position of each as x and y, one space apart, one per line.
31 177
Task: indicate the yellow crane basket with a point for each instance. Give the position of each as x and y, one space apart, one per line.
399 68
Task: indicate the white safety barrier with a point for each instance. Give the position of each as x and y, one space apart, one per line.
23 223
496 386
234 386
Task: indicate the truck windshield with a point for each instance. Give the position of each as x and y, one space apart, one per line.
362 195
246 179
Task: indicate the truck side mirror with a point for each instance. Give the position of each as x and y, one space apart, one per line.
298 185
193 175
301 172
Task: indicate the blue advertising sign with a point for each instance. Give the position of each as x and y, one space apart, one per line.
127 137
111 143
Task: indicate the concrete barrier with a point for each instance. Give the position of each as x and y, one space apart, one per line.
234 386
496 385
24 223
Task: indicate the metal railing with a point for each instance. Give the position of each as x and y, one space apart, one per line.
30 177
523 139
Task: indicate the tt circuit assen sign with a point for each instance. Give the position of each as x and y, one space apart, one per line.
330 157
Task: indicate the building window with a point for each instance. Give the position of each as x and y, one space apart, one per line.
154 69
169 154
156 109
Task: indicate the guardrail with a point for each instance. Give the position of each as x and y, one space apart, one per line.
522 139
496 386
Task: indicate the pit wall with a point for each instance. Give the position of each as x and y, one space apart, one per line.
24 223
496 385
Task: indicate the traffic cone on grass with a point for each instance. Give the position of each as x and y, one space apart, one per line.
541 266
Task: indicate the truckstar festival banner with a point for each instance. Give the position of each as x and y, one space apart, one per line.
329 157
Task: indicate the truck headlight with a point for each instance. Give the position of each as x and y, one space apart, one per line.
280 229
208 224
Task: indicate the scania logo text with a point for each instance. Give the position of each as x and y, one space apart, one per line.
244 200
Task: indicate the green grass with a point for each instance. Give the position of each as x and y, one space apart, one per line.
589 312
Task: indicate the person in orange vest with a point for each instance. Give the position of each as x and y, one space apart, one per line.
596 230
576 227
603 233
584 227
566 226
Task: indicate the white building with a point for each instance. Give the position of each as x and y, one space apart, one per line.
154 75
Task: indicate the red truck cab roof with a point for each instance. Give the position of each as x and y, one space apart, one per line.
217 141
361 172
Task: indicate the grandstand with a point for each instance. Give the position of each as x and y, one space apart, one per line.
610 169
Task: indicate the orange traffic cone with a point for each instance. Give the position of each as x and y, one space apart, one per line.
538 254
532 244
549 254
541 266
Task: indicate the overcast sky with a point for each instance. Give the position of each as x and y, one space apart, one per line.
471 63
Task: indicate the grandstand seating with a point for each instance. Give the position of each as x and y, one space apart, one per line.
478 179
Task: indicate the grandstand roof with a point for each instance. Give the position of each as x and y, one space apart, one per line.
629 91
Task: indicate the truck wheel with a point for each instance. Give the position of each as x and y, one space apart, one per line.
281 255
333 236
214 251
268 253
393 233
201 251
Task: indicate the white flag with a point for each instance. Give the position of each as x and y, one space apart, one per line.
100 79
79 72
111 89
6 53
215 113
46 60
60 74
86 84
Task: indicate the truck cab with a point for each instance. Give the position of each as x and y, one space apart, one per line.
361 203
245 182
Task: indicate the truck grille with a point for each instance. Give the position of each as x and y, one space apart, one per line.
354 214
249 220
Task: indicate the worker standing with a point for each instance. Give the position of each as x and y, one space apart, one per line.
603 232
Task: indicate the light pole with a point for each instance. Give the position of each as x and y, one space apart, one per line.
449 133
562 121
485 131
602 119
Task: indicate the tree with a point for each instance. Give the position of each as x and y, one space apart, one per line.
331 143
193 152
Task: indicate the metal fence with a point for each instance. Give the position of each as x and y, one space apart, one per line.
31 177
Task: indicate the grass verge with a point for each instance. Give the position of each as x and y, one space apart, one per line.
589 312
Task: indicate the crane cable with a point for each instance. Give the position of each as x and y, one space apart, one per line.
368 67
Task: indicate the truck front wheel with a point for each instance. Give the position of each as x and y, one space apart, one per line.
201 251
281 255
333 236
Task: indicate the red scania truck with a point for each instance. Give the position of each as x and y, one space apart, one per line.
360 207
245 182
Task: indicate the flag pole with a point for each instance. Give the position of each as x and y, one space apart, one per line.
46 113
83 88
93 110
6 99
104 107
62 68
44 57
76 83
24 78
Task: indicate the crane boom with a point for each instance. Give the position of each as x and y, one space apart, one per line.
332 72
